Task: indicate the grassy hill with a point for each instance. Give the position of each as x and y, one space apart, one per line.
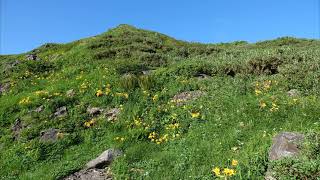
234 100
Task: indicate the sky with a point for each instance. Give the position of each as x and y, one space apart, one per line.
27 24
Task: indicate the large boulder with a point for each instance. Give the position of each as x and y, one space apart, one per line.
16 129
112 114
285 144
97 169
70 93
182 98
32 57
293 93
4 87
61 112
90 174
94 111
49 135
104 159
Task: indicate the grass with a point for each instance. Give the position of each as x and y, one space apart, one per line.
245 105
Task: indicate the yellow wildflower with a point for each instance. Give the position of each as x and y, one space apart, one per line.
262 104
258 92
89 123
216 171
234 162
99 93
195 114
25 101
108 90
229 172
155 98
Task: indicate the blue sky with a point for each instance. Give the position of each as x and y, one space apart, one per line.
26 24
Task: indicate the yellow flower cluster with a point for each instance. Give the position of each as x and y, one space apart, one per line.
172 126
195 114
41 93
154 137
25 101
89 123
99 93
274 107
121 139
84 86
108 89
155 98
125 95
265 86
225 172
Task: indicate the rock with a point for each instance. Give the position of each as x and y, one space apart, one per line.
32 57
112 114
49 135
61 111
182 98
203 76
104 159
97 169
90 174
293 93
12 64
16 129
147 72
94 111
285 144
39 109
70 93
4 87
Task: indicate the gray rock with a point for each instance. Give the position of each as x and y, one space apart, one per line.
104 159
32 57
94 111
293 93
112 114
203 76
70 93
182 98
285 144
147 72
88 174
16 129
39 109
61 111
4 87
49 135
12 64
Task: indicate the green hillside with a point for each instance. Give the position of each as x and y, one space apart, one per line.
177 110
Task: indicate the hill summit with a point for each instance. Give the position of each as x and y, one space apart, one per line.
157 107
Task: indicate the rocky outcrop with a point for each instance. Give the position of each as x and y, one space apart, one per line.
182 98
112 114
94 111
61 112
16 129
4 87
70 93
49 135
32 57
104 159
97 169
293 93
285 144
91 174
